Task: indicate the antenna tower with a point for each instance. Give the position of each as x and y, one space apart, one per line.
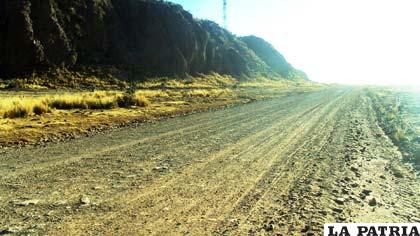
225 14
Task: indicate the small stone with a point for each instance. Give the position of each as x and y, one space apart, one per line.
341 219
373 202
340 201
160 168
27 202
234 222
355 185
354 169
84 200
269 227
318 194
366 192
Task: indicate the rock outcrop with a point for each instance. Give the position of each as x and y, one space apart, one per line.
151 38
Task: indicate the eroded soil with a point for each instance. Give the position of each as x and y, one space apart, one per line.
283 166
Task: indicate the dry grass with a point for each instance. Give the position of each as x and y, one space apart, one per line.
266 83
208 93
132 99
20 108
148 93
41 108
24 106
210 81
27 116
82 101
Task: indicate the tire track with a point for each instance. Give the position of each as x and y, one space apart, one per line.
213 160
266 109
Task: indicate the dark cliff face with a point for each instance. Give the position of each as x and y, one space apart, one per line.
151 37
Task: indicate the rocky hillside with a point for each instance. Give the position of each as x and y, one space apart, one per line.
275 60
149 37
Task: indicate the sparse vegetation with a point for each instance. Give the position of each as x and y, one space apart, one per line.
20 108
82 101
25 106
388 111
390 114
130 99
41 108
30 111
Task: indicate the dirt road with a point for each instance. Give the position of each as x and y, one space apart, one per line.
285 166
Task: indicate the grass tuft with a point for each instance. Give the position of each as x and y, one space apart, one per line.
132 99
40 108
18 110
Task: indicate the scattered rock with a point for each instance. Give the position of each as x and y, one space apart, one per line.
366 192
269 227
97 188
345 191
373 202
354 199
340 201
354 169
160 168
355 185
234 222
12 230
337 210
27 202
84 200
318 194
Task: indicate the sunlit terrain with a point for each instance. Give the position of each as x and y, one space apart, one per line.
227 117
410 110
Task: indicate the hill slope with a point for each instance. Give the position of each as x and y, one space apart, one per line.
148 37
275 60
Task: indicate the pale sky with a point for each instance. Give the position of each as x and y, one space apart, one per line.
335 41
